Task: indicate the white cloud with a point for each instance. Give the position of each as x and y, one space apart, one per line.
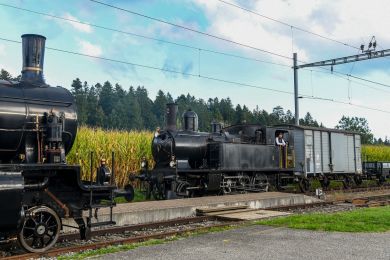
349 21
78 26
90 49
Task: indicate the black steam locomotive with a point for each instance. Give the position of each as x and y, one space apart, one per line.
245 158
38 125
192 163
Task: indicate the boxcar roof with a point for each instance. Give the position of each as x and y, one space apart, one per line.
316 128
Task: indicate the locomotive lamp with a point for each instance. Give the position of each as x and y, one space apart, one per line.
172 163
144 163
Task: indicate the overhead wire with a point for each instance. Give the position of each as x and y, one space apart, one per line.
287 24
142 36
292 27
174 43
200 76
191 29
224 39
156 68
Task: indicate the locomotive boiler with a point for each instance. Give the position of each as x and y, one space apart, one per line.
38 125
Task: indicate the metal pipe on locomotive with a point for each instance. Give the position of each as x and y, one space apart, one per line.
38 126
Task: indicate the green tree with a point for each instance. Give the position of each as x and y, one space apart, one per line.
80 93
5 75
359 125
159 107
308 120
146 106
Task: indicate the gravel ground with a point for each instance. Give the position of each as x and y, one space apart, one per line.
261 242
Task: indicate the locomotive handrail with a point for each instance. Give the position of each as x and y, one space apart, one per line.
38 186
15 99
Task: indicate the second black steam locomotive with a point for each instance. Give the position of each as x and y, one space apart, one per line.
245 158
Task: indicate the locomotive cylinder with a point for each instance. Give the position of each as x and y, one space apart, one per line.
23 106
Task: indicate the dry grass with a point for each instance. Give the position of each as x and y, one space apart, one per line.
128 147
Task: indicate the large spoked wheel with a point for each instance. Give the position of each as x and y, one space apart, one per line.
40 230
358 180
325 183
381 180
304 185
347 182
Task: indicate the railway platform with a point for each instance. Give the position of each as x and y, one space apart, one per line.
154 211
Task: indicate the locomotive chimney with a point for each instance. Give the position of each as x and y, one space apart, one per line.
33 56
171 116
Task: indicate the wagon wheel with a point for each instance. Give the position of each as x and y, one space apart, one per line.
158 191
381 180
40 230
347 182
358 180
129 196
304 185
325 182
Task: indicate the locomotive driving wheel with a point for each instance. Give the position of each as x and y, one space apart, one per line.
40 230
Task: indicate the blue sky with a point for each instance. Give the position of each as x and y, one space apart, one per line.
349 21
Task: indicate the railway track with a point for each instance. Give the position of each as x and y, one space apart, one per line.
67 243
70 242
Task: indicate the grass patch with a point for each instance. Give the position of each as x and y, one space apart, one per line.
360 220
138 197
114 249
127 247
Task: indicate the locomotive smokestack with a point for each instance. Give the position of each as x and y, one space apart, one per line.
171 116
33 57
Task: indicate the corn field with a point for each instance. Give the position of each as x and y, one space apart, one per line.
128 146
375 153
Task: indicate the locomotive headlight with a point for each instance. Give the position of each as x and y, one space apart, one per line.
172 163
144 163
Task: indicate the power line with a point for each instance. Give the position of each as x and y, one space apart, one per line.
157 68
170 42
200 76
345 103
355 77
190 29
345 77
142 36
289 25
